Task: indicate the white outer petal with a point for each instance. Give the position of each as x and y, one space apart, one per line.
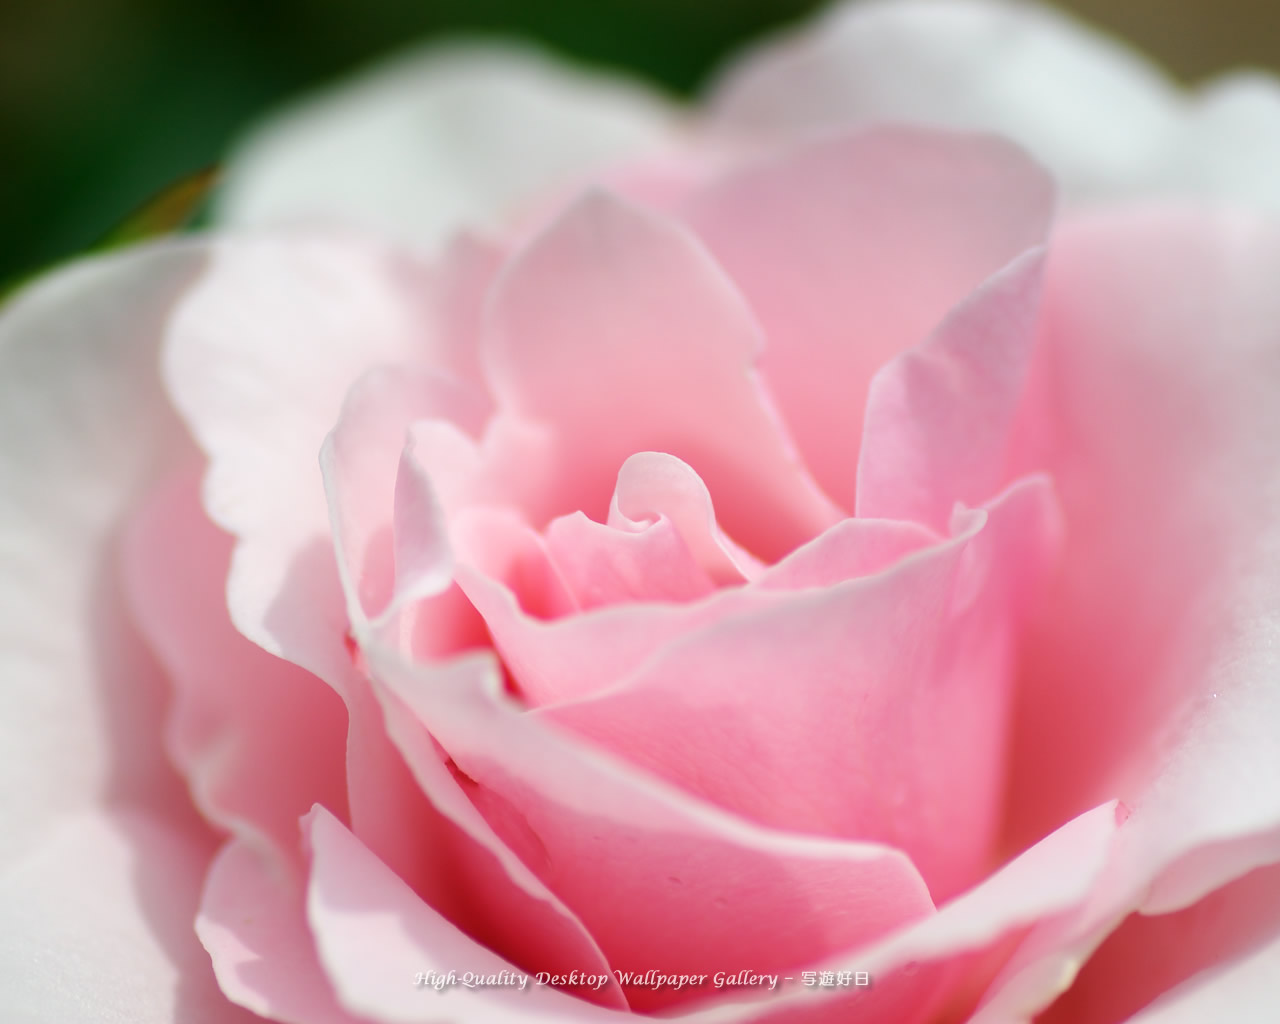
101 857
438 138
1102 117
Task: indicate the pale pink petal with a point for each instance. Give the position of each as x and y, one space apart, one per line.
1097 113
883 232
97 923
84 428
1149 955
661 881
100 853
938 417
1155 411
616 331
387 520
1101 116
654 484
1245 991
253 924
259 359
375 937
483 880
874 709
556 659
437 139
259 740
603 565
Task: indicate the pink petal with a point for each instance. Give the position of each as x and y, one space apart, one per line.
253 924
1155 411
654 484
658 879
375 937
939 416
873 709
602 565
483 882
1244 990
883 232
260 357
560 659
1149 955
259 740
618 302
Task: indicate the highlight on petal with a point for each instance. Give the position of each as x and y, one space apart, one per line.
440 138
884 231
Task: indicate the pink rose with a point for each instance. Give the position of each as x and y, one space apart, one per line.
766 567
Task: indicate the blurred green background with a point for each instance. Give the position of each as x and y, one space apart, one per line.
103 103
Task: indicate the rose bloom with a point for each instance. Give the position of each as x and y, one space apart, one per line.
808 559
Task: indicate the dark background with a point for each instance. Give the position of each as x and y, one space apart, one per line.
103 103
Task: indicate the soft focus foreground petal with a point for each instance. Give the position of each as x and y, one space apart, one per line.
1107 122
376 937
616 331
883 232
253 924
1095 112
1230 144
875 709
659 879
259 359
97 924
938 417
97 904
85 428
1246 991
1155 411
1149 955
438 139
259 739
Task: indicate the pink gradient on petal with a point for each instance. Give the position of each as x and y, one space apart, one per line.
616 332
872 709
253 924
258 739
1148 955
602 565
659 880
375 936
939 416
851 250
